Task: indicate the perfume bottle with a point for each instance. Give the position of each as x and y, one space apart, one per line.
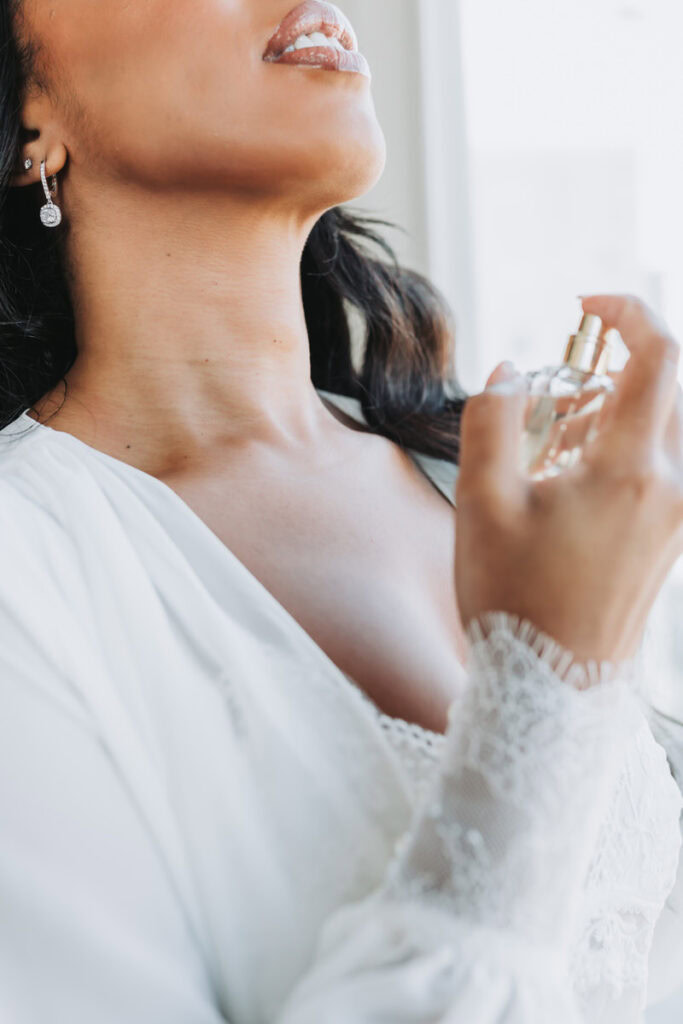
565 402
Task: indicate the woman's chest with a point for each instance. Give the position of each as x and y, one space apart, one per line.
365 565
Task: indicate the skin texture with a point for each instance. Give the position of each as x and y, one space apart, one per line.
191 174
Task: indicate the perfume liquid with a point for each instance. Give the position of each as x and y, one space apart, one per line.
565 402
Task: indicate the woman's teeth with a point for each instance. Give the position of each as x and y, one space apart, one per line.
315 39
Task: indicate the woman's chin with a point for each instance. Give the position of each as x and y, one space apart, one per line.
355 165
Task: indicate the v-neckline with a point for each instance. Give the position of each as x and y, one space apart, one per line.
210 537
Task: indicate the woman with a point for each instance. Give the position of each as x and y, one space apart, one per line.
265 756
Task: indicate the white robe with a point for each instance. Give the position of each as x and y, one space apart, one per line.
203 819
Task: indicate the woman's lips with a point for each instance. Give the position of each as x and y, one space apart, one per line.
327 58
313 16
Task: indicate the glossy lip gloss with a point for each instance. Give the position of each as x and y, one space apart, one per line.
325 57
316 16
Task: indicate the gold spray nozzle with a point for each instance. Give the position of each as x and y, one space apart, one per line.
589 350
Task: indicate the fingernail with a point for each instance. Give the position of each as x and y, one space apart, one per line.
511 386
503 370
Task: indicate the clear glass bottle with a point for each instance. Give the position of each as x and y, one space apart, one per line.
565 401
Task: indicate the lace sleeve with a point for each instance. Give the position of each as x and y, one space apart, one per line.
474 918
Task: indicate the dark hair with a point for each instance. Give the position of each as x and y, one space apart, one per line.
402 371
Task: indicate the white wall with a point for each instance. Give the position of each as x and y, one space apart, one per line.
387 30
414 53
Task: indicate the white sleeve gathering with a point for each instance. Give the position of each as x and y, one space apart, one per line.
477 914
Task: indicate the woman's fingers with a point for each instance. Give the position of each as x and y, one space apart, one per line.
645 394
491 430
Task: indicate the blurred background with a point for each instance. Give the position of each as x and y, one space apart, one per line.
535 154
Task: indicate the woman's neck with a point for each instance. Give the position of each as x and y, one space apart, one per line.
190 320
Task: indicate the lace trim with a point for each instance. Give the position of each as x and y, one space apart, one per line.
611 949
419 750
532 707
557 660
410 737
527 764
631 873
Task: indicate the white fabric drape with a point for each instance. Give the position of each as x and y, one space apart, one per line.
202 820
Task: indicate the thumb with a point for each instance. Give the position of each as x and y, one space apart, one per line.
491 429
504 371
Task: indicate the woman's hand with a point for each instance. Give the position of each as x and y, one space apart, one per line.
582 555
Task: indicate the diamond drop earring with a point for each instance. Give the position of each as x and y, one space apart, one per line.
50 214
28 163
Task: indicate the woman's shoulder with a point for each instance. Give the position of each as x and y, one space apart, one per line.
442 472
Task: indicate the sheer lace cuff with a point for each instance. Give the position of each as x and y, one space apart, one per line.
493 635
534 747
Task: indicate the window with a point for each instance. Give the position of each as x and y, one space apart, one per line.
575 162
